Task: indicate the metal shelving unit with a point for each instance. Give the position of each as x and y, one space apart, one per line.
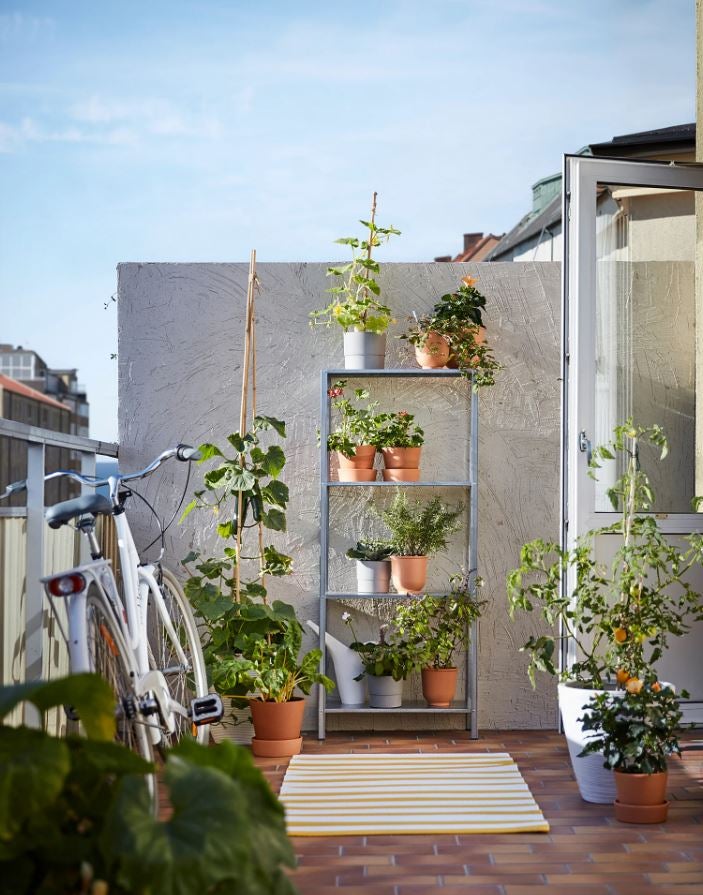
468 706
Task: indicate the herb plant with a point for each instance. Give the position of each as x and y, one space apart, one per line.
620 618
636 732
417 528
370 551
355 304
435 627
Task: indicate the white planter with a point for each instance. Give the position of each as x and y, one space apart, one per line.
347 666
373 577
385 692
596 783
364 351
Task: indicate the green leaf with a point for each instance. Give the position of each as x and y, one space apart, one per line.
275 520
89 694
186 512
276 492
274 461
237 442
241 480
270 422
207 451
33 767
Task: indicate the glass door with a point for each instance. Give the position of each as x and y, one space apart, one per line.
631 350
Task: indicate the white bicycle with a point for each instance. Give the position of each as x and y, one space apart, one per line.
144 640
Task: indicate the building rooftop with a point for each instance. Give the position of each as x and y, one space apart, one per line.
19 388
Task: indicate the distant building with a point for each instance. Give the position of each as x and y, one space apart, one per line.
476 247
538 235
25 365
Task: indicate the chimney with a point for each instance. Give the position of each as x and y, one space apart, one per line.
470 240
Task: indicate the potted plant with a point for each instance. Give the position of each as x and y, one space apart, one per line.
386 664
435 628
618 618
373 568
400 440
418 530
251 647
356 304
453 335
353 439
635 735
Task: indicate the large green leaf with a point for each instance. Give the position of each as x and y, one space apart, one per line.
88 694
205 846
274 460
270 422
33 768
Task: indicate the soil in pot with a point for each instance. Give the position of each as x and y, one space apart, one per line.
277 727
401 458
439 686
409 573
401 475
434 353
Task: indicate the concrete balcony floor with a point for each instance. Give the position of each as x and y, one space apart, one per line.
587 851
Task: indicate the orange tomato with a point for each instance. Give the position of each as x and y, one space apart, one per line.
620 635
622 676
634 685
656 687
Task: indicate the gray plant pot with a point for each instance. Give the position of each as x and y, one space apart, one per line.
373 577
364 351
384 692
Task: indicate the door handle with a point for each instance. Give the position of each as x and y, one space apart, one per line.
585 446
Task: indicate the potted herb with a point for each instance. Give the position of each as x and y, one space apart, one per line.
356 304
386 664
373 568
453 334
435 628
400 440
353 439
618 618
251 648
635 735
418 530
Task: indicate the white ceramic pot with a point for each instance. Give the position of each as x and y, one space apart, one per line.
373 577
364 351
596 783
384 692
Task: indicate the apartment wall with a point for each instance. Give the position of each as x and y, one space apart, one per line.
180 354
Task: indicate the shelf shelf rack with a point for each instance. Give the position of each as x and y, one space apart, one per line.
469 705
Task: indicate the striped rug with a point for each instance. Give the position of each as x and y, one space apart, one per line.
375 794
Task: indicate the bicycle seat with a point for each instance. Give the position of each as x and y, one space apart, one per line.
63 512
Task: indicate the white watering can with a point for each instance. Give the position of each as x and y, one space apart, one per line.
347 665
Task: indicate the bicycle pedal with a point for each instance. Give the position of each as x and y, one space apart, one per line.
206 709
71 713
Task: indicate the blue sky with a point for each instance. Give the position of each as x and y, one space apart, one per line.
195 131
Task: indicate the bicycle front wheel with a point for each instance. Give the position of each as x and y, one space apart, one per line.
185 680
109 656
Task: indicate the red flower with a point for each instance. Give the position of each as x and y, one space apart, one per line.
403 413
335 392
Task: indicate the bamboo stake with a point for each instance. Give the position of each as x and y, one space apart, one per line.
248 330
253 415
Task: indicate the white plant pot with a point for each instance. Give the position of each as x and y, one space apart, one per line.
364 351
596 783
385 692
347 666
373 577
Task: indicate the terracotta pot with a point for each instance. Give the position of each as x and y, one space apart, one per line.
641 798
401 475
409 573
363 457
356 475
434 353
439 686
479 339
401 458
277 727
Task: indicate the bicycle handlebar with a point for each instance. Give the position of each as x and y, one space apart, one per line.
182 452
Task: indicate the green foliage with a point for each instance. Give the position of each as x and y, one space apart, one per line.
76 815
356 419
635 731
457 317
435 627
418 528
389 656
619 617
355 303
397 430
254 648
370 551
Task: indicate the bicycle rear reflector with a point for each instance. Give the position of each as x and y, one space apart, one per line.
65 585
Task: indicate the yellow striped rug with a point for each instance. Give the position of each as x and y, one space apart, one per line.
377 794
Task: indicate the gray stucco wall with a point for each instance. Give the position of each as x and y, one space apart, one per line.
180 354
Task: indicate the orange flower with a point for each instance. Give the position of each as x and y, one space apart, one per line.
469 281
656 687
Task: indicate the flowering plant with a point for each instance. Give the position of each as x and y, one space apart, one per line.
398 430
637 731
357 419
356 302
389 656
